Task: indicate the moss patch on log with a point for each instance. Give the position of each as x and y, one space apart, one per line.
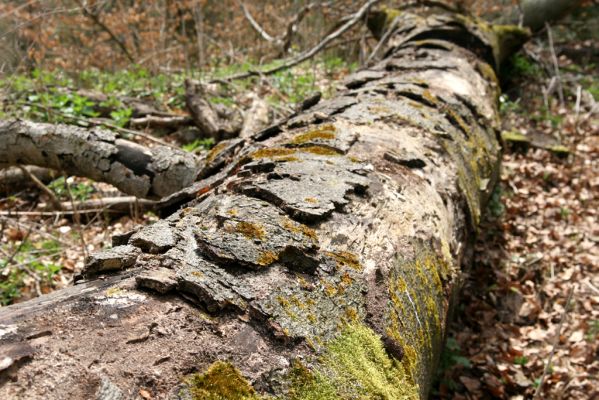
222 381
353 366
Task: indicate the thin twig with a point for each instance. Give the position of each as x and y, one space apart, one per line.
560 89
254 23
76 216
19 247
554 344
53 199
383 40
310 53
96 19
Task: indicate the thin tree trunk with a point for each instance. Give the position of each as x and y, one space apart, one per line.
322 267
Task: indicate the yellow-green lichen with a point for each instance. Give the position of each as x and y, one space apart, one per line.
354 365
267 258
115 292
415 318
345 259
513 136
216 150
250 230
222 381
325 132
273 152
296 227
320 150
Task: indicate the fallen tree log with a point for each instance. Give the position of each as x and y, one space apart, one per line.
319 261
97 154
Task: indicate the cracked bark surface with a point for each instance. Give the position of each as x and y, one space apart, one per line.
315 257
97 154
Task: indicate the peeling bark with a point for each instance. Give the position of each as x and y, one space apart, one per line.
97 154
317 259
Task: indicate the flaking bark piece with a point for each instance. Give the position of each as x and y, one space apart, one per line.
156 238
119 257
245 231
360 78
325 176
213 287
161 280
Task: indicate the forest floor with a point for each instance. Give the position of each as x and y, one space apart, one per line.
529 309
527 322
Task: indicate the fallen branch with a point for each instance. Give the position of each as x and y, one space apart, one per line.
121 204
53 199
308 54
255 24
96 19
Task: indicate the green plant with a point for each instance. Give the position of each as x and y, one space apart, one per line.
121 116
205 144
496 206
80 191
520 360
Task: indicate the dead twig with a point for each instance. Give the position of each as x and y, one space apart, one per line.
96 19
254 23
76 216
355 18
383 40
560 89
53 199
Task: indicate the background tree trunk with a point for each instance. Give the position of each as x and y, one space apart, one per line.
323 266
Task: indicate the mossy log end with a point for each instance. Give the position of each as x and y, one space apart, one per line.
317 260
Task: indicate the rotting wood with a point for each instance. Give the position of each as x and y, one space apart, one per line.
317 259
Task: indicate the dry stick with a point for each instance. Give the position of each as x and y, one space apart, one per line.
106 29
310 53
383 40
76 216
19 247
53 199
254 23
554 344
560 89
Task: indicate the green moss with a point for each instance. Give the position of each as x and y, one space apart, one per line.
508 39
559 150
513 136
250 230
353 366
222 381
325 132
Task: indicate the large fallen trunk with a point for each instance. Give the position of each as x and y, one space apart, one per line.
319 262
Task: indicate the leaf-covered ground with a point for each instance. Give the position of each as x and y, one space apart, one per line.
529 309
